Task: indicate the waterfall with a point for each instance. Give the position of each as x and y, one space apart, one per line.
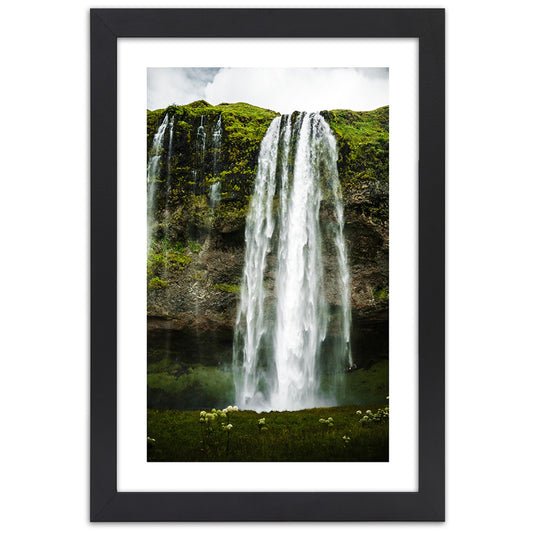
169 173
217 144
168 188
154 172
214 195
283 319
198 172
214 191
169 155
201 136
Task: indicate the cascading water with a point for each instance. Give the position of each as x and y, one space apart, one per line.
284 317
217 144
198 172
167 188
214 191
154 171
201 136
214 195
169 154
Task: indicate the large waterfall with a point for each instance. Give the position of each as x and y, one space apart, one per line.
280 351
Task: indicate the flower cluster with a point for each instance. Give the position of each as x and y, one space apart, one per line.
371 418
208 418
328 421
151 442
212 432
217 414
346 440
261 424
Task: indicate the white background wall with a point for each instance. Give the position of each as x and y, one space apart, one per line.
44 220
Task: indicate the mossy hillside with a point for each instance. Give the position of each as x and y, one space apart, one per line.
363 164
362 143
191 169
184 213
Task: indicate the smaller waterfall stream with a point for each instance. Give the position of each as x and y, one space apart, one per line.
214 195
201 136
217 144
154 172
214 191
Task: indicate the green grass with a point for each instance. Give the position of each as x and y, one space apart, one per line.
291 436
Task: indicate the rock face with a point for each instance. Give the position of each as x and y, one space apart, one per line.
201 192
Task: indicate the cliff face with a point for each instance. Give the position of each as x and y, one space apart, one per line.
205 179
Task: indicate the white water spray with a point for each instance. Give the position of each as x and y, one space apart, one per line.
283 318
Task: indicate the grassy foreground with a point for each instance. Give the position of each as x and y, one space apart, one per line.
275 436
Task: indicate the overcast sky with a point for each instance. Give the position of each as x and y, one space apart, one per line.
280 89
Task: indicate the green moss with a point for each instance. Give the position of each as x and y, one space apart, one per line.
156 283
226 287
165 256
381 293
194 246
363 156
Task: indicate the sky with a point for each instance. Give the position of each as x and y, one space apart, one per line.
280 89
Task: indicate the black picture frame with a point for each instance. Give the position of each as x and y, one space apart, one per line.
106 503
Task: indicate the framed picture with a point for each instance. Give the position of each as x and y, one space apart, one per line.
267 265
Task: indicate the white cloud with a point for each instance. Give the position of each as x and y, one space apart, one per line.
300 89
167 86
281 89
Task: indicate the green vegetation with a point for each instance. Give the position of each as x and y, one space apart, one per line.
274 436
183 208
367 386
381 293
164 257
188 387
226 287
156 283
363 148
